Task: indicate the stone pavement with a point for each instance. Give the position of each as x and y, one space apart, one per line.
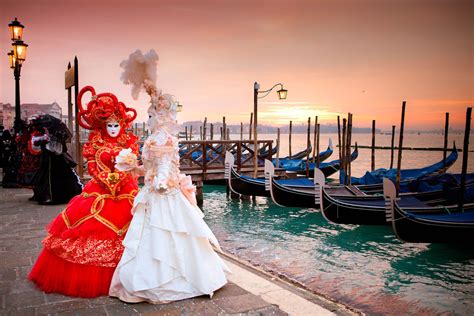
22 227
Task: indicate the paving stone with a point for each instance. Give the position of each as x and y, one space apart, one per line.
241 303
23 271
5 287
8 274
204 308
230 289
21 286
54 298
270 311
96 311
25 299
14 261
28 311
103 300
166 312
145 307
119 309
53 308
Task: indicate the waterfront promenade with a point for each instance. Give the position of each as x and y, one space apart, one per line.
22 228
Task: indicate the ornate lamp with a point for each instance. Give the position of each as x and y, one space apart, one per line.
282 93
19 50
12 60
16 30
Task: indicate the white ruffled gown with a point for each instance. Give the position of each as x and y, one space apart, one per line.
168 254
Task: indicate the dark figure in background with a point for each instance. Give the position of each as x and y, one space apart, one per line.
7 144
1 146
30 157
11 158
55 182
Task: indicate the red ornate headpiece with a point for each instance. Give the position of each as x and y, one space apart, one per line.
102 108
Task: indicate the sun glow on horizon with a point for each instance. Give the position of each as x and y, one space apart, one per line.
280 113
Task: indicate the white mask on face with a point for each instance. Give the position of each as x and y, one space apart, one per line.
113 128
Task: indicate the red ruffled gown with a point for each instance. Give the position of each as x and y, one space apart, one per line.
84 242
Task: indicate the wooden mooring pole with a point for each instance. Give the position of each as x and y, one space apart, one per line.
278 149
343 150
348 144
250 126
314 138
289 138
392 146
241 130
339 138
465 154
308 143
212 131
400 148
445 147
372 155
318 159
224 128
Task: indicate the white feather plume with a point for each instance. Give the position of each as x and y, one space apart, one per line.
140 69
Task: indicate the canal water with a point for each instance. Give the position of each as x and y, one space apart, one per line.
362 266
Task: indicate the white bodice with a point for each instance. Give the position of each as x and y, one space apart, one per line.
161 162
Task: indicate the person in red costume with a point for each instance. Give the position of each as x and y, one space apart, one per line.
84 242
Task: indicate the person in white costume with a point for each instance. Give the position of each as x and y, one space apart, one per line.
169 252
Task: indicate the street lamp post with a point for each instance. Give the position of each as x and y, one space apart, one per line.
282 93
16 57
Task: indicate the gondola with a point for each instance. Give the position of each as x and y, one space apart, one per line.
241 184
298 192
434 225
300 155
356 207
376 177
265 152
283 194
292 164
329 168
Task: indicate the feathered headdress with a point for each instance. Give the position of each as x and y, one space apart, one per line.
140 72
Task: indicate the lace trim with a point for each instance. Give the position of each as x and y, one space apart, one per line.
96 252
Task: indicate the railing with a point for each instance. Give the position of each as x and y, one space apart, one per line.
209 155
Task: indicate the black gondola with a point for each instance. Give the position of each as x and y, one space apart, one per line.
297 192
435 225
356 207
241 184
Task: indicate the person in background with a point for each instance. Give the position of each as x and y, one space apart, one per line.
55 181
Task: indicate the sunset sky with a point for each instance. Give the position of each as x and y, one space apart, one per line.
333 56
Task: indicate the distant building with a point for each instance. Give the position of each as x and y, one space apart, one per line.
7 115
28 110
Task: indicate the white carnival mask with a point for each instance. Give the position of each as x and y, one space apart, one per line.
162 113
113 128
